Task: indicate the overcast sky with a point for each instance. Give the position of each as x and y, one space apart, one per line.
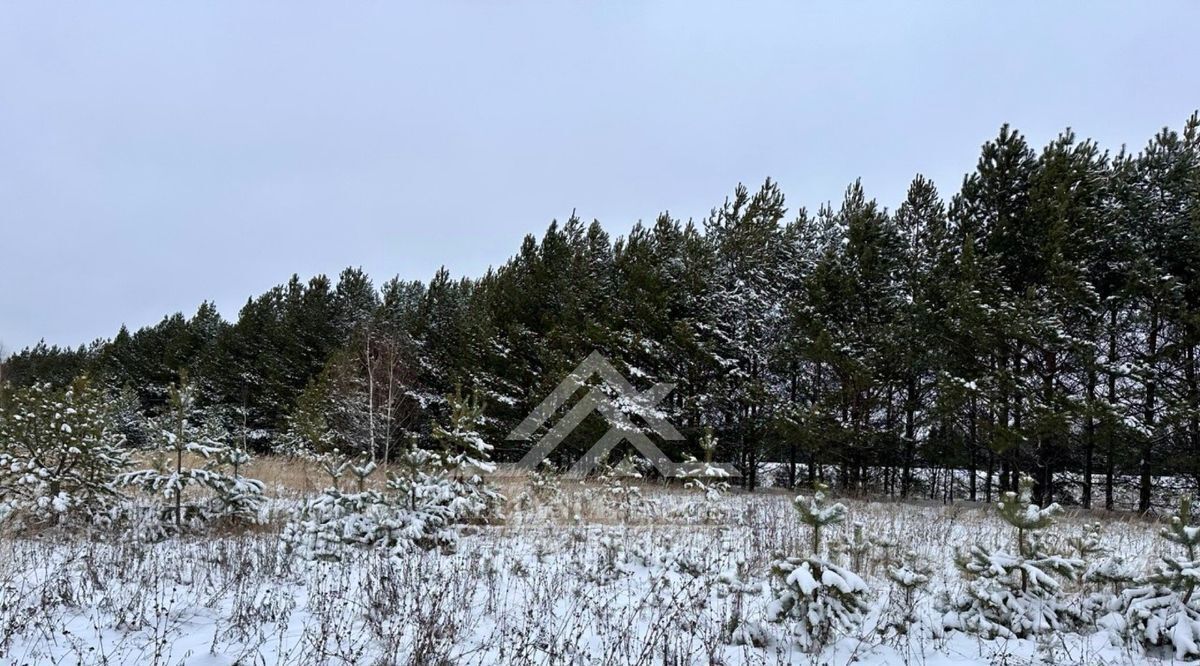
153 155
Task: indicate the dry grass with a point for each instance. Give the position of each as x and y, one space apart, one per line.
565 579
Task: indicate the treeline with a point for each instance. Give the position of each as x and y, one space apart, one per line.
1044 319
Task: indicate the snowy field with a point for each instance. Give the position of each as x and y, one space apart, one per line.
576 575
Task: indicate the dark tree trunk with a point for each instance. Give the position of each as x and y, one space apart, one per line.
1148 415
987 482
910 434
974 445
1016 420
1089 438
1193 398
1047 442
1110 431
1003 422
793 395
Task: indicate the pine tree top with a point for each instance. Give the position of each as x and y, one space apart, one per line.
1179 529
815 512
1018 509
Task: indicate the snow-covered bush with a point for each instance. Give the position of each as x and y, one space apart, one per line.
821 598
544 491
1014 594
60 454
241 498
909 577
182 438
416 510
618 490
853 549
421 507
465 456
1162 609
1105 576
736 585
710 481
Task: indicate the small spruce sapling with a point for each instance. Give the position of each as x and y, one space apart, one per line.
61 452
822 598
1103 579
735 584
181 437
910 576
1163 610
466 456
241 497
1014 595
421 507
709 480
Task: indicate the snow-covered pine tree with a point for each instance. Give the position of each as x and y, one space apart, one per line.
817 514
334 464
618 489
544 482
466 456
324 527
856 547
422 506
1014 594
709 480
822 598
1181 575
464 450
308 432
925 279
544 491
425 490
910 576
1162 610
735 584
241 497
181 438
362 470
741 320
129 418
60 454
418 509
1105 576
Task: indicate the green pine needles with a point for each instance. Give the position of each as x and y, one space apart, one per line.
817 514
1015 594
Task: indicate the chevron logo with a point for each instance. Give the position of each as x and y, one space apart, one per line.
617 409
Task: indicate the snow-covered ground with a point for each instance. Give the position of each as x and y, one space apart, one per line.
589 576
